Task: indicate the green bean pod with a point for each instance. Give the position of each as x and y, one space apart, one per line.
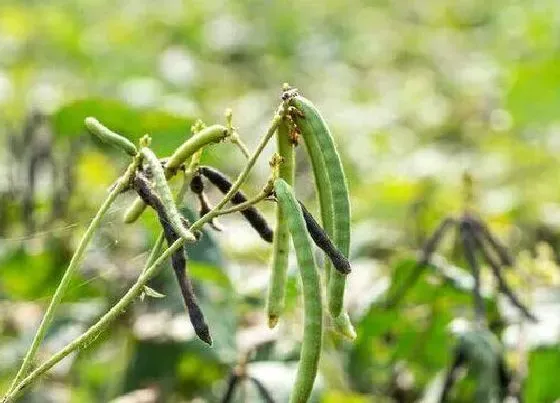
322 187
208 135
110 137
162 189
313 310
281 240
312 125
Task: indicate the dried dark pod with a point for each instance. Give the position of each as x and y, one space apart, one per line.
251 214
425 257
263 391
496 270
232 382
178 260
197 186
322 240
432 243
459 359
469 248
484 233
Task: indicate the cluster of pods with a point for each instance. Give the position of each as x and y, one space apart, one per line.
297 118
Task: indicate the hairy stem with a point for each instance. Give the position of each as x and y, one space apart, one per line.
263 194
235 139
121 184
90 335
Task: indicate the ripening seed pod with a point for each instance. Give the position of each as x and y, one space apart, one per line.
251 214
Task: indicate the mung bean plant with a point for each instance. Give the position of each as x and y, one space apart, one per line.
148 176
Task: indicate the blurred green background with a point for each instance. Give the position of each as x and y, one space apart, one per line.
416 93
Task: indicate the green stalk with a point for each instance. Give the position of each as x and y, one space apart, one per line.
90 335
121 184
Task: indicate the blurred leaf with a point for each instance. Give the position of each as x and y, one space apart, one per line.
415 331
541 385
210 274
535 95
167 131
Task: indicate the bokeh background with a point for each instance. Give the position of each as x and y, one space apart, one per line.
416 93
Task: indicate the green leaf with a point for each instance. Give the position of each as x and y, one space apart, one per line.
534 97
541 385
167 131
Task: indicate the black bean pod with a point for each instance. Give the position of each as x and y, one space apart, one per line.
232 382
251 214
263 391
322 240
178 259
426 255
197 186
432 243
479 238
484 232
469 249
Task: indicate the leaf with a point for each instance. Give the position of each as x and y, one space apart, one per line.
541 385
535 95
167 131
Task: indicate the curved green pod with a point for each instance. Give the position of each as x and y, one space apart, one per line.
110 137
164 193
312 125
281 240
313 310
322 186
208 135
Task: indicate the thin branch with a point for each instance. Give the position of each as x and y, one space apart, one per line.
232 383
484 232
121 184
469 246
502 284
459 359
263 391
262 195
426 254
91 334
235 139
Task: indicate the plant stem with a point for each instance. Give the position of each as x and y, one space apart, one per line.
235 139
121 184
243 175
263 194
90 335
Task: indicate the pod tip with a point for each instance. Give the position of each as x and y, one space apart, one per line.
203 334
91 121
343 325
